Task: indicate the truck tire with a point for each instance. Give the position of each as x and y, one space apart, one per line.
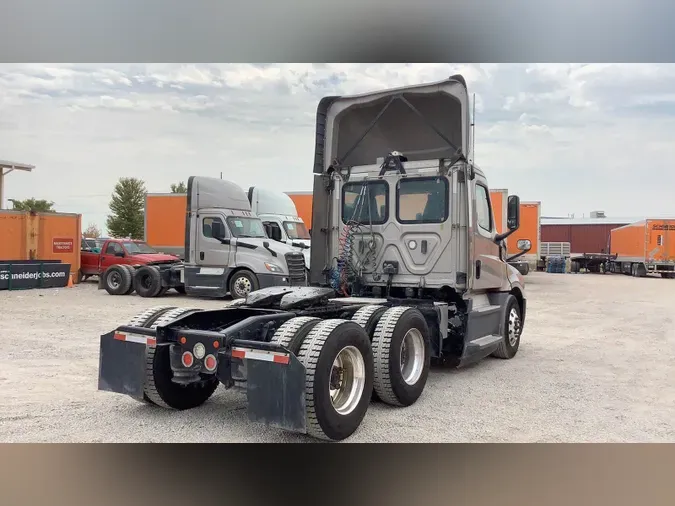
148 281
368 317
401 356
511 330
242 283
159 389
292 333
116 280
148 316
163 392
336 353
132 273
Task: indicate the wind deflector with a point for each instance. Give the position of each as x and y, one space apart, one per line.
420 121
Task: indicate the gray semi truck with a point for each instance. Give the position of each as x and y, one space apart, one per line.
226 251
406 267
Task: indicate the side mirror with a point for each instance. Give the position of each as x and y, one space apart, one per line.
513 213
524 244
276 234
218 230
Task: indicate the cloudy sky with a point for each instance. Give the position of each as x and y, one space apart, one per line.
576 137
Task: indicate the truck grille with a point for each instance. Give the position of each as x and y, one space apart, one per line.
296 268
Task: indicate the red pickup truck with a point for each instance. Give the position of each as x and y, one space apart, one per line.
123 252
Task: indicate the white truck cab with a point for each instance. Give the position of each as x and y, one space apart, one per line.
280 218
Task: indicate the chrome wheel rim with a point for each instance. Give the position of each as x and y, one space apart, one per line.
412 356
242 286
347 380
514 327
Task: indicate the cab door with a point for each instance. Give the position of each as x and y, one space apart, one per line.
489 270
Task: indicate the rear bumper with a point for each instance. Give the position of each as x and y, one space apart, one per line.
274 377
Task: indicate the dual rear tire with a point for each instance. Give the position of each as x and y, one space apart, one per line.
380 350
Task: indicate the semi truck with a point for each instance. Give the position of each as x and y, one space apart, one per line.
226 249
642 248
280 219
406 266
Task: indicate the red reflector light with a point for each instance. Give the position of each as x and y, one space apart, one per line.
216 344
183 340
210 363
187 359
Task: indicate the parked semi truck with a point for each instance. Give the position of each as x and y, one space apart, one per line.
644 247
406 266
226 249
280 219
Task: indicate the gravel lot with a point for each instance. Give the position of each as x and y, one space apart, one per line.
588 370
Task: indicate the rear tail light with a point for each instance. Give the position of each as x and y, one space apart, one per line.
210 363
187 359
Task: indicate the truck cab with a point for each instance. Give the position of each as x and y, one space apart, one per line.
280 218
227 248
406 266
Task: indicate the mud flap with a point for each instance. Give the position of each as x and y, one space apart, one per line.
276 393
121 367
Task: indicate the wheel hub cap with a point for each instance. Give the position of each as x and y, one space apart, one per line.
412 356
514 327
115 280
242 286
347 380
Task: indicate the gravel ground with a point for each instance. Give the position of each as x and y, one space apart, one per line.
588 370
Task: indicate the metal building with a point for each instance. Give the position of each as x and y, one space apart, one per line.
585 235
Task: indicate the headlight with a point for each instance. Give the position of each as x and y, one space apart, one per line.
273 268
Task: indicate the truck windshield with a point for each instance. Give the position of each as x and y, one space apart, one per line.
246 227
422 200
138 248
296 230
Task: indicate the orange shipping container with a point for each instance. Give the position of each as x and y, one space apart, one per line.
648 241
530 228
165 215
41 236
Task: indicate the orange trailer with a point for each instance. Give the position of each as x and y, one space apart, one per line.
303 204
530 228
165 222
499 199
644 247
36 237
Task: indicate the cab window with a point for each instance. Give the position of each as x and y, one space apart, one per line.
365 202
483 210
422 200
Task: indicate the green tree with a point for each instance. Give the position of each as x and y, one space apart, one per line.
127 208
179 188
33 205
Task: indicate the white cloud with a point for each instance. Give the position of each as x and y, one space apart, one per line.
575 136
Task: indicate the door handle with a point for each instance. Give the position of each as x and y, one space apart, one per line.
201 255
477 269
424 247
